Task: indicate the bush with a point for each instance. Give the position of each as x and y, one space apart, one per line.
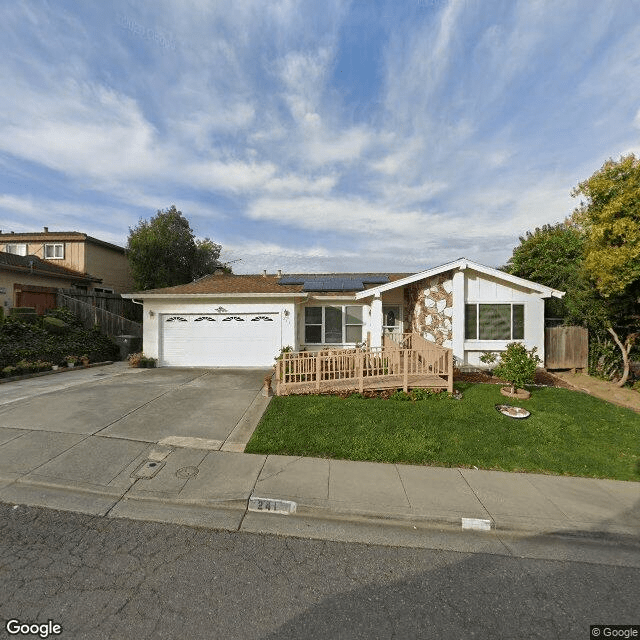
605 359
55 325
21 341
517 365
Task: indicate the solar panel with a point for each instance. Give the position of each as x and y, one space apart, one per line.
333 284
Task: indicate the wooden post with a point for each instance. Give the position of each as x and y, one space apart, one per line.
278 369
450 370
359 372
318 371
405 381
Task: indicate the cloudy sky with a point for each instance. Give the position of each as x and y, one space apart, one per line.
314 136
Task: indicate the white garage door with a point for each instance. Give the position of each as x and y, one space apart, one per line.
219 340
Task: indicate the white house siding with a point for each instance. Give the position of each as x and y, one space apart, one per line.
155 310
481 288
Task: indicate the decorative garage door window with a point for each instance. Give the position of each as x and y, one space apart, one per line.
207 318
230 318
176 319
263 318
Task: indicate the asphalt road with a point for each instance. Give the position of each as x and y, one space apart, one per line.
109 578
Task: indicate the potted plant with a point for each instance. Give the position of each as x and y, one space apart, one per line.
85 359
71 361
518 367
135 360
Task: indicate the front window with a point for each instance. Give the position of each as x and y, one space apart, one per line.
54 251
16 249
332 325
494 322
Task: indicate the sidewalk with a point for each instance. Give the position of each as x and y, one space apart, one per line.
177 482
289 495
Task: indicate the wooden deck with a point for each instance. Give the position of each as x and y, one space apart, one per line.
394 366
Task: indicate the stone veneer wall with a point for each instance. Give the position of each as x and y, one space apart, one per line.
430 308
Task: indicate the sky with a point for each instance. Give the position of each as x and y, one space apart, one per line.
314 136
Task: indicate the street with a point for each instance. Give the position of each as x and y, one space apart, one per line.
101 577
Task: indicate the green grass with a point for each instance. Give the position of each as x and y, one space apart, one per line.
568 432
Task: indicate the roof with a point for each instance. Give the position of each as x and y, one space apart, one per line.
460 265
35 265
269 285
57 236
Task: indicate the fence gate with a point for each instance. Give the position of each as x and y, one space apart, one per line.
566 348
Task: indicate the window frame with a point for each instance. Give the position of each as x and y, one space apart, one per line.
344 310
512 326
47 245
17 245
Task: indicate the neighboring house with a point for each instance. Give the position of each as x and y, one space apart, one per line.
28 281
226 320
76 251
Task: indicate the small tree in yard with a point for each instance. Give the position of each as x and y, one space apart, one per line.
517 365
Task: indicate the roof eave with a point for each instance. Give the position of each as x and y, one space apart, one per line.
187 296
462 264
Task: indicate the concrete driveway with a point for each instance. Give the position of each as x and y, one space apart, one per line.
146 405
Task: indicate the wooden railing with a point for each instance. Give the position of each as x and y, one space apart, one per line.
394 365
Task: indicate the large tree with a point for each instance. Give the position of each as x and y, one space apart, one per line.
609 215
552 256
164 252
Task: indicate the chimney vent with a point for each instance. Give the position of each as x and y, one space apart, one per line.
46 229
264 273
279 273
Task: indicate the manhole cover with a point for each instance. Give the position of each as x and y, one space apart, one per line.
187 472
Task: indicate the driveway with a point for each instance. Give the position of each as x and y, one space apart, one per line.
146 405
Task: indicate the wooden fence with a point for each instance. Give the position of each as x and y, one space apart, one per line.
566 348
109 323
387 367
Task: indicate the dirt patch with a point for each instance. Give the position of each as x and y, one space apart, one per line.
542 378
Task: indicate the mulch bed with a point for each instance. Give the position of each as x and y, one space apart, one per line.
542 377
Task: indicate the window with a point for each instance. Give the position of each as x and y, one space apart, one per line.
332 325
16 249
54 251
494 322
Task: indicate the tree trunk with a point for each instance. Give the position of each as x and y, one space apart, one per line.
625 348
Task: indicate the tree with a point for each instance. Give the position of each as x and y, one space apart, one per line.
610 219
164 252
552 256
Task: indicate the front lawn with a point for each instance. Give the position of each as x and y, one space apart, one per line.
568 432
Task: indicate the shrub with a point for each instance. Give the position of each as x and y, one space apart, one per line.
517 365
55 325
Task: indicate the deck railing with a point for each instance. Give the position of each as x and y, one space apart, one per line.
394 365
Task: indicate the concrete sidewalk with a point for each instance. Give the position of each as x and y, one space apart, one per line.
294 496
80 457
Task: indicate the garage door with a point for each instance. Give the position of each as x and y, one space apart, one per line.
220 340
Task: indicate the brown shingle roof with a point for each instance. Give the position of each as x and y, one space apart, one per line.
232 283
36 265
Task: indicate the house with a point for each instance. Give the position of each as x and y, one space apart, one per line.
226 320
28 281
107 263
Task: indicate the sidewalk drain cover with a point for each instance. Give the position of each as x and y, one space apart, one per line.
187 472
148 469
